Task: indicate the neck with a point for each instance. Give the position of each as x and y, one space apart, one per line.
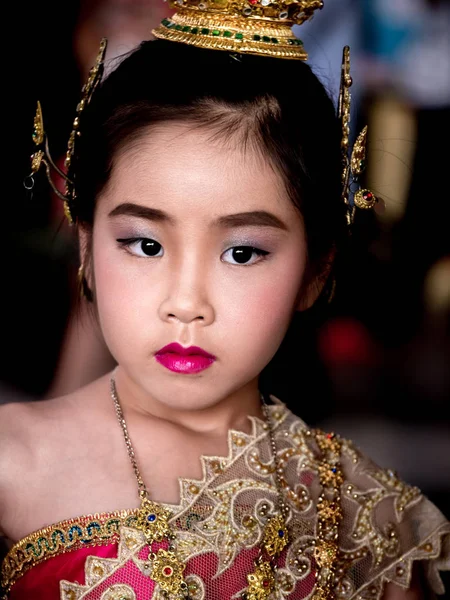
227 412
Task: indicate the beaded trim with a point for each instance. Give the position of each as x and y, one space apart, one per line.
73 534
329 514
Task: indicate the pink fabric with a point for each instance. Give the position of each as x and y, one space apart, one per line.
42 582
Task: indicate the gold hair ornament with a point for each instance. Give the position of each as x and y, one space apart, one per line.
42 154
242 26
354 163
41 157
95 76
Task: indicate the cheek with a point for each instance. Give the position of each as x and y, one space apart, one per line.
122 296
263 306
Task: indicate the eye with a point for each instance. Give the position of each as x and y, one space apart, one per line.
242 255
142 246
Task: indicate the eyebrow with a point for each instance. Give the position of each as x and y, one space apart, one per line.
256 217
141 212
259 218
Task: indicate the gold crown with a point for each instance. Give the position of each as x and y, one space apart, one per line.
242 26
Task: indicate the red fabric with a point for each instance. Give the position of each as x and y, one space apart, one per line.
42 581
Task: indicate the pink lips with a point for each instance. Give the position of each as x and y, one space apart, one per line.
184 360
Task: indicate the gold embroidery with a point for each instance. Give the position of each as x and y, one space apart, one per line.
299 555
285 582
329 514
382 543
223 529
119 592
96 569
153 521
93 530
275 536
234 503
261 582
196 588
405 494
167 571
70 591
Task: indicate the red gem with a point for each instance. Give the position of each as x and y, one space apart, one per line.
368 196
329 436
167 571
253 1
266 583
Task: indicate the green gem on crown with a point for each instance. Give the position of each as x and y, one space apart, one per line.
227 34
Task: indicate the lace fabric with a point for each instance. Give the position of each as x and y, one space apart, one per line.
386 526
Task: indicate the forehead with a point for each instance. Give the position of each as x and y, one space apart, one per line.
182 168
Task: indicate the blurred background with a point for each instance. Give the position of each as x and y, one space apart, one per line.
376 366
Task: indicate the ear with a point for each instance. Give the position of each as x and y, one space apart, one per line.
315 283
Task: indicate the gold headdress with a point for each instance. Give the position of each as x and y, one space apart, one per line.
243 26
261 27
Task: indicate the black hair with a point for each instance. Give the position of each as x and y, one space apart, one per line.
275 105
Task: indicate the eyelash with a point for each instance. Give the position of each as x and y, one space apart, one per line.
127 243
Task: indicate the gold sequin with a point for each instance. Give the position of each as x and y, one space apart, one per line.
98 570
248 521
238 440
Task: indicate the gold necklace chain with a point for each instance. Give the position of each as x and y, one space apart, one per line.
165 567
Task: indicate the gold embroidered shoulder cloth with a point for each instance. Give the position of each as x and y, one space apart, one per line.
383 524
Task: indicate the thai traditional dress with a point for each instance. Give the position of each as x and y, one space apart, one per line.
352 527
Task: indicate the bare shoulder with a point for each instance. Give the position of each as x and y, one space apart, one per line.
28 429
34 438
18 423
26 433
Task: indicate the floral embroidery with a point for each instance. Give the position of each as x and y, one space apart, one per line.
221 518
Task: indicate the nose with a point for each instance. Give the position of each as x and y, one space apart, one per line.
187 299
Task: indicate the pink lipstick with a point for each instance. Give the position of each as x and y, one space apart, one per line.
184 360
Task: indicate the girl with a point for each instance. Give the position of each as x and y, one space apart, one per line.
206 187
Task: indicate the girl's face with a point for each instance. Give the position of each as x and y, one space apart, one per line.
195 243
